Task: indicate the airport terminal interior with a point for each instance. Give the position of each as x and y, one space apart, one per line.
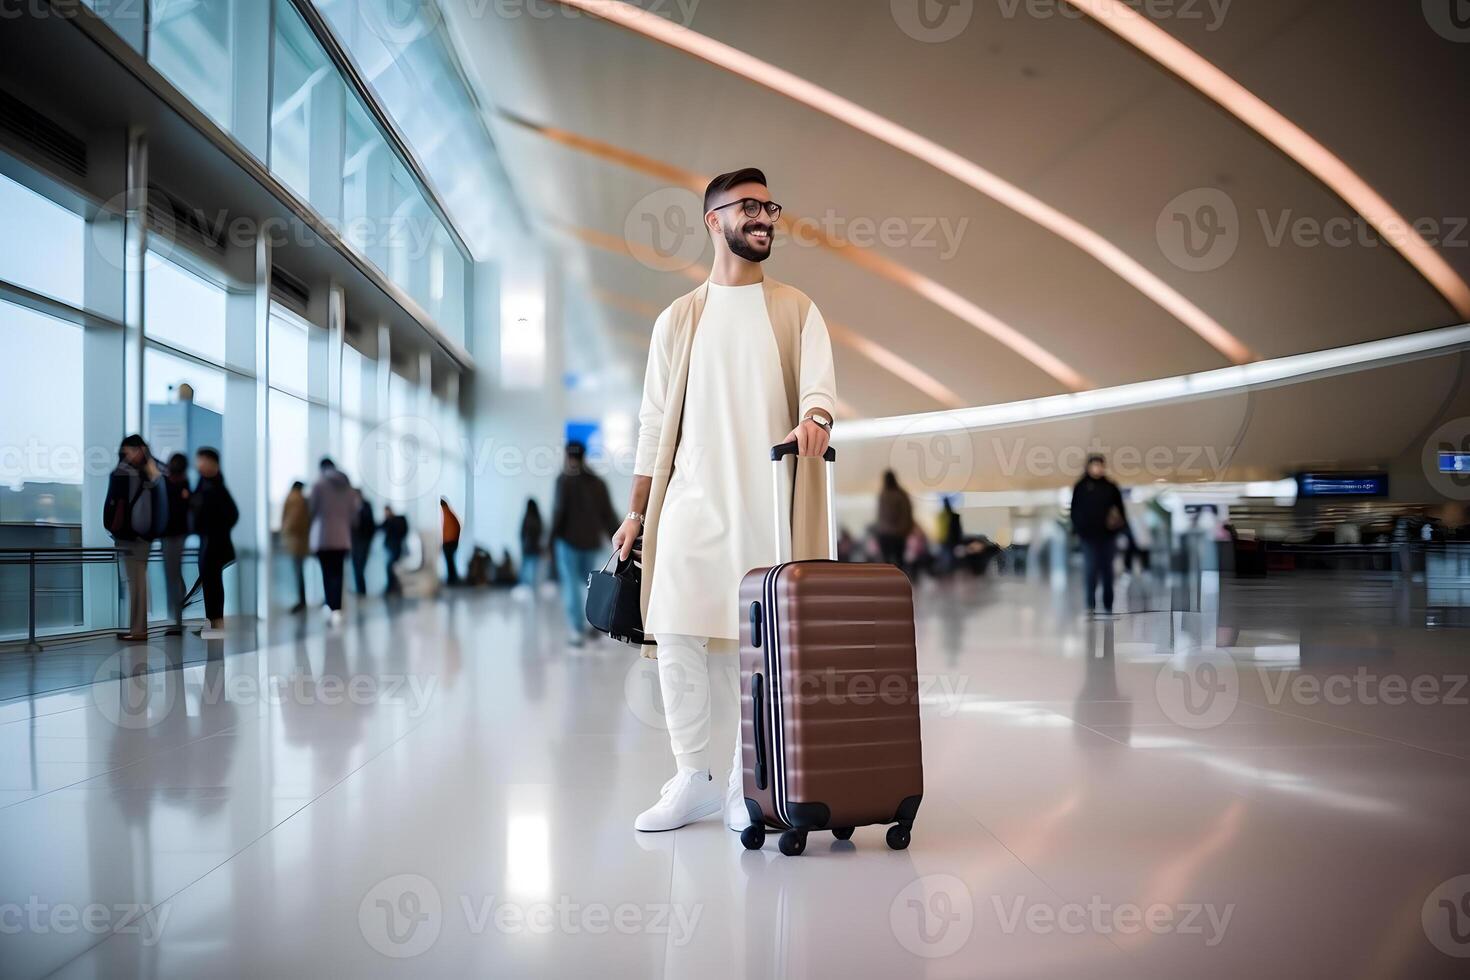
1150 325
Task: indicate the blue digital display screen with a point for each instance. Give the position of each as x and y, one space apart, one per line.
1454 463
1342 485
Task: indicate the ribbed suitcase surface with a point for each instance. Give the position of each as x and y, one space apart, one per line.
829 696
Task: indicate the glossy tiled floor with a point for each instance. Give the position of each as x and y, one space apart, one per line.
1257 787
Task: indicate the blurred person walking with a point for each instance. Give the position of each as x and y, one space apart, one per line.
532 532
1098 517
296 538
135 511
395 532
582 518
364 529
951 536
175 533
333 507
895 520
215 515
450 531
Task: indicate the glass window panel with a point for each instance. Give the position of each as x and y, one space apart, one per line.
41 437
353 458
353 364
306 96
290 459
400 399
365 165
407 230
163 372
183 310
288 352
447 285
47 259
190 44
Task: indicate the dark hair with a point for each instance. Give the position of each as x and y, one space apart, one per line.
1096 458
298 485
178 463
576 450
532 508
722 183
208 452
890 480
327 463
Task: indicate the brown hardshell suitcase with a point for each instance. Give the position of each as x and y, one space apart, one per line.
829 704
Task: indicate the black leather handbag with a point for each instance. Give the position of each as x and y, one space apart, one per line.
613 603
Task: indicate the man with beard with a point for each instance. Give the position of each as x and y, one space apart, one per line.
734 367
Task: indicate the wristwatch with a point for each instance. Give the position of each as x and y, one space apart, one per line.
825 423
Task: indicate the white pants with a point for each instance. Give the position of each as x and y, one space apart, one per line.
689 681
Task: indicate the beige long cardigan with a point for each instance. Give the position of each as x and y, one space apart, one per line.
787 308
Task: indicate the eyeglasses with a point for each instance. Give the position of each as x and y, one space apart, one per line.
753 208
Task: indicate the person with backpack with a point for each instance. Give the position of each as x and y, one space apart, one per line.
135 512
215 515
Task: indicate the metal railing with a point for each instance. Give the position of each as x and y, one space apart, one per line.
41 556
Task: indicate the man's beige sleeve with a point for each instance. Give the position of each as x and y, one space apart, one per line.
818 376
655 384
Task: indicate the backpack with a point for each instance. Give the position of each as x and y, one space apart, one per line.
149 511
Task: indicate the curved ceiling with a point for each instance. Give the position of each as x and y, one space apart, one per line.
1046 100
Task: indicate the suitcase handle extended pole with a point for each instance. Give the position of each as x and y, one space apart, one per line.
778 456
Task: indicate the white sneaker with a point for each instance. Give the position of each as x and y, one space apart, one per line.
737 818
690 795
336 617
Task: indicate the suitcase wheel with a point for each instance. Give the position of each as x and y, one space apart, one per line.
793 842
842 833
753 837
898 837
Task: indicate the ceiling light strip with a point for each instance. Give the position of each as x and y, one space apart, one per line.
921 148
1296 367
1287 136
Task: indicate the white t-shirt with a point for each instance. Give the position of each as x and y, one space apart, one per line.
718 518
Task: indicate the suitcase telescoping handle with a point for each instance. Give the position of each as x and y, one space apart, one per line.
778 456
